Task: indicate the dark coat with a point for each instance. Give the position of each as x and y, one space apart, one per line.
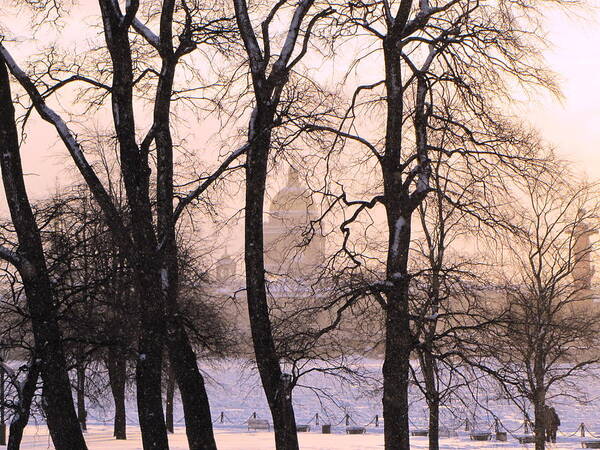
551 419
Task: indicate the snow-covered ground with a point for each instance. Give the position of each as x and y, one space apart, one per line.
235 391
100 437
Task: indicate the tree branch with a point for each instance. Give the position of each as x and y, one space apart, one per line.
68 138
201 188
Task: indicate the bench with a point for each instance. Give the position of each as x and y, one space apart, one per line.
302 428
590 444
526 439
419 432
258 424
445 432
480 436
356 430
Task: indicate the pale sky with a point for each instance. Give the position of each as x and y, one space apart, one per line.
571 126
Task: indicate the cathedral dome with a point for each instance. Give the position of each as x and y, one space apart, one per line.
292 201
285 229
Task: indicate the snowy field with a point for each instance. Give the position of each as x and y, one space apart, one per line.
100 437
236 394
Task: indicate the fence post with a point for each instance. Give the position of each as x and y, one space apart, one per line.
317 419
526 425
582 426
222 418
496 425
347 419
377 420
467 424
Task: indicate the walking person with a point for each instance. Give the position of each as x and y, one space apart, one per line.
551 423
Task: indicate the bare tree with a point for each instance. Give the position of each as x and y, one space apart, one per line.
442 300
549 331
98 305
444 64
16 341
30 261
150 250
269 72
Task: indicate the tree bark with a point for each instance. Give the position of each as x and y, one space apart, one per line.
198 423
267 94
434 424
396 368
117 376
398 341
170 397
149 365
433 399
183 359
81 411
30 261
278 393
144 256
539 400
539 428
428 362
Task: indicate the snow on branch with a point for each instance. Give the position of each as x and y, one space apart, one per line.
248 36
292 35
68 138
12 257
146 33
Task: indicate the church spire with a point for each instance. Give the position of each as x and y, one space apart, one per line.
293 177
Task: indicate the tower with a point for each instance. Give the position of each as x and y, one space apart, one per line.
583 270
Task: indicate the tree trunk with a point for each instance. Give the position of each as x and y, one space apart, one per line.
196 408
428 362
19 423
539 400
62 420
396 368
539 395
539 428
434 425
148 372
267 93
81 411
144 254
397 200
184 364
117 376
170 396
278 392
398 339
156 269
433 399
